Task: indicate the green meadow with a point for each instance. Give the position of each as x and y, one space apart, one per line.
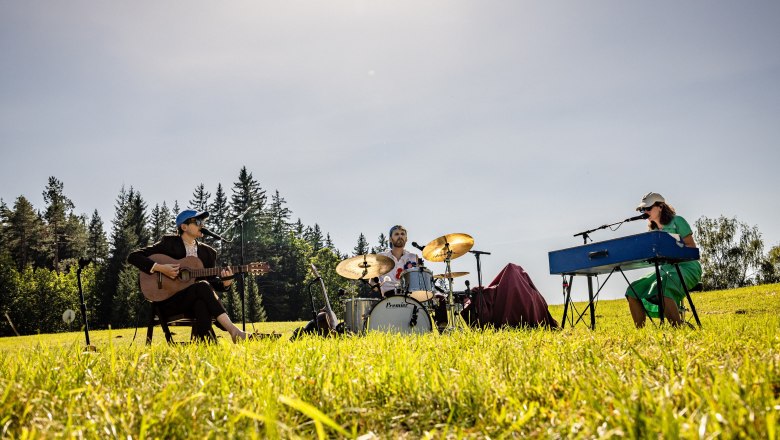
658 382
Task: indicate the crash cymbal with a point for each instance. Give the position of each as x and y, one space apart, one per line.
446 276
365 266
458 244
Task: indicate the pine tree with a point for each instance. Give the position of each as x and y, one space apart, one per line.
314 237
5 213
382 246
246 212
329 244
58 207
23 234
362 245
76 235
97 243
174 213
200 199
248 203
158 223
299 229
96 249
254 301
247 195
279 215
168 222
128 232
218 210
232 302
138 219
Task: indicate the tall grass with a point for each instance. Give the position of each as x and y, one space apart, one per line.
721 381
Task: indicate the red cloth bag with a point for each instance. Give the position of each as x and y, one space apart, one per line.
511 299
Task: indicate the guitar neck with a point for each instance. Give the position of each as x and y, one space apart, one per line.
215 271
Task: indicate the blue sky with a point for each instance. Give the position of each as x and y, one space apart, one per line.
520 123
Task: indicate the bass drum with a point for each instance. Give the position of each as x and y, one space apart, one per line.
400 314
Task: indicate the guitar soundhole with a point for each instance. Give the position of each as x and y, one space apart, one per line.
184 275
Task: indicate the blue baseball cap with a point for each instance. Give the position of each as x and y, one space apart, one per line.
188 214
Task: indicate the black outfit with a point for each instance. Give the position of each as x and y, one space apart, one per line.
198 300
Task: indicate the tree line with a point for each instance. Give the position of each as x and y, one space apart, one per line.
40 249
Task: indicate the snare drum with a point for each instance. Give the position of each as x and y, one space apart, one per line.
400 314
356 312
417 282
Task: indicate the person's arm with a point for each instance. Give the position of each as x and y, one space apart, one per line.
140 259
688 240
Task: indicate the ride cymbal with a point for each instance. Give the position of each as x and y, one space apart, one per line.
365 266
446 276
448 247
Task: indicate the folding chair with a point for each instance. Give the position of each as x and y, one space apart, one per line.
156 316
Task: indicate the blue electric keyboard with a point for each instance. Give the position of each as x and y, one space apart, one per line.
630 252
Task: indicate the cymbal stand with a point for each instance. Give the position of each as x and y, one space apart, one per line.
452 318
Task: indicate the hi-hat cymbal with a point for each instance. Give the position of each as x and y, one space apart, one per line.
450 246
447 276
365 266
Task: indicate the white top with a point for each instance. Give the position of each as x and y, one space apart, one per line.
392 279
192 249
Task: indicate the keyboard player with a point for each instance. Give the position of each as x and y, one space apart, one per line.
662 216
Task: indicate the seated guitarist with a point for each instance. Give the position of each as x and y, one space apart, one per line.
198 300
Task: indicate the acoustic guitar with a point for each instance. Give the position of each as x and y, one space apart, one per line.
158 287
326 318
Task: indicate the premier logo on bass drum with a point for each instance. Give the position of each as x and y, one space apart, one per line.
396 306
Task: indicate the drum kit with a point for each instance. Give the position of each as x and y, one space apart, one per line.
410 311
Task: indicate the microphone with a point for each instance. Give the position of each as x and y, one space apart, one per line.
642 216
213 235
414 243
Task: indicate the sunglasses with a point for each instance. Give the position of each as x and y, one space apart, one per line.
197 221
647 209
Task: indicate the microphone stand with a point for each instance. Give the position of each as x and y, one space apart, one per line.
585 237
240 222
83 262
478 296
567 286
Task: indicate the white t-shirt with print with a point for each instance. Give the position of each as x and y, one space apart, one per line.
392 279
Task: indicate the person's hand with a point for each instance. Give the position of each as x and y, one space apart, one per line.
169 270
226 272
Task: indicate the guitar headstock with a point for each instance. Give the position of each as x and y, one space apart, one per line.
259 268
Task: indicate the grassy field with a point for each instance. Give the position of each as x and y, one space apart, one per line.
721 381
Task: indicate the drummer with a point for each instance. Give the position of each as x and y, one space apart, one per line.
390 283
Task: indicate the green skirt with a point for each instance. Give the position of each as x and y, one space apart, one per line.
645 287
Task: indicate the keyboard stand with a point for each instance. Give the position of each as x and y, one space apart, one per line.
592 297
